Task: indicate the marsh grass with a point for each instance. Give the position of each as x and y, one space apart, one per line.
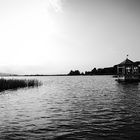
11 84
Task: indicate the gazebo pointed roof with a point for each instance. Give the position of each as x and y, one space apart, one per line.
127 62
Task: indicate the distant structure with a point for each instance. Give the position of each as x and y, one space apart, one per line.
128 71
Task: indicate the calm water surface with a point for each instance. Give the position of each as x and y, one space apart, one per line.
82 108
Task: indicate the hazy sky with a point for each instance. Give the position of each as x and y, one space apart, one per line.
55 36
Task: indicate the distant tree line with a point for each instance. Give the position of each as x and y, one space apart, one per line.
95 71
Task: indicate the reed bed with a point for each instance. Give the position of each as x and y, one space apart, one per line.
11 84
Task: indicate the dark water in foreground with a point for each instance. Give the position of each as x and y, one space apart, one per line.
81 108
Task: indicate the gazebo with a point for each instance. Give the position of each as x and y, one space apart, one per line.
128 71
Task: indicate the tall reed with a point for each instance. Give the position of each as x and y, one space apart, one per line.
6 84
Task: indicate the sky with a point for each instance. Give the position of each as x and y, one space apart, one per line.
55 36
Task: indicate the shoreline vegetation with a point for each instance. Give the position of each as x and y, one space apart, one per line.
13 84
95 71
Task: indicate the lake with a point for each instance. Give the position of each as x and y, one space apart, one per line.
72 107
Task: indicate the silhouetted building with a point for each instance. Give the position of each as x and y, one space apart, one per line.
128 71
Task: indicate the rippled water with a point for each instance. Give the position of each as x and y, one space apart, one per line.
82 108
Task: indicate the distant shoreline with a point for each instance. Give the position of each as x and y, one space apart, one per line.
93 72
53 75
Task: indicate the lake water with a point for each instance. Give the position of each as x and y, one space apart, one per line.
76 107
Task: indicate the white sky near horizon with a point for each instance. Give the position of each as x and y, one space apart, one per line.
55 36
